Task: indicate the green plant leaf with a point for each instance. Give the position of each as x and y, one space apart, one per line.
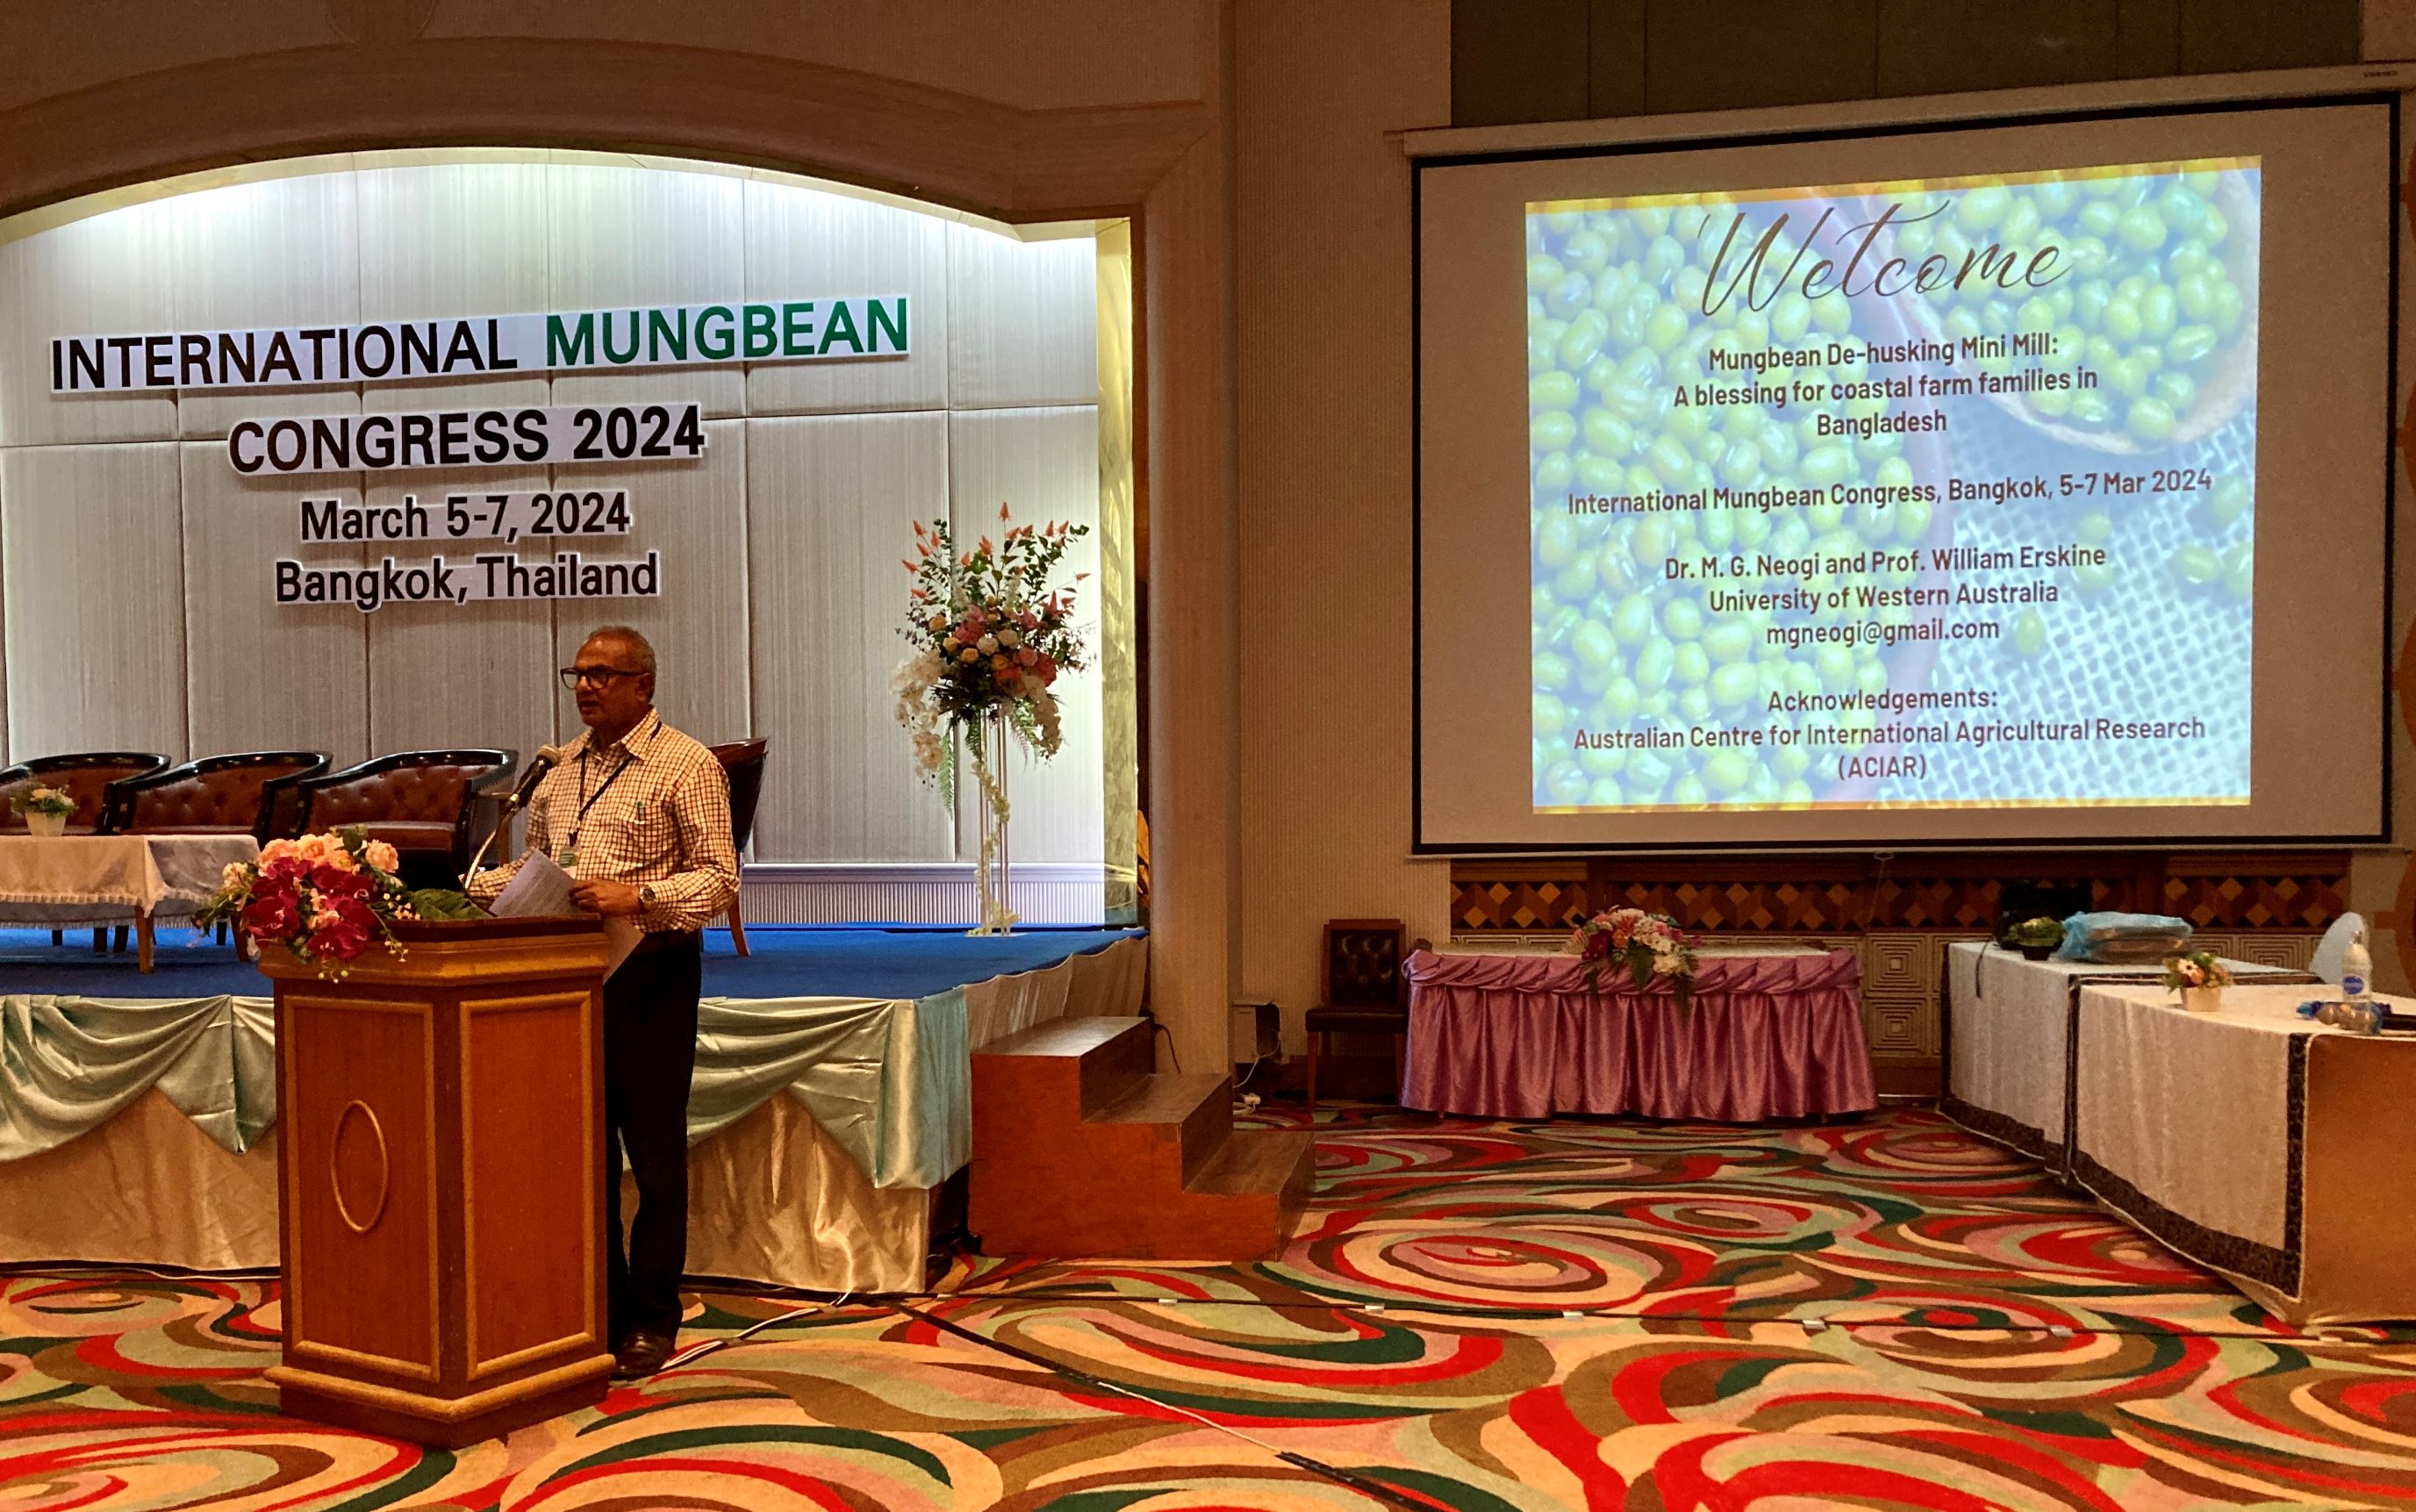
444 904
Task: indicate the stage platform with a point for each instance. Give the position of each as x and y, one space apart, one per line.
789 961
832 1096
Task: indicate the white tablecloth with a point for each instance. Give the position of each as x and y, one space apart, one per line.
107 879
2009 1051
2258 1143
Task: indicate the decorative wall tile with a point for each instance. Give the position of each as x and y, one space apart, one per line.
2288 950
1962 903
1899 1030
1903 965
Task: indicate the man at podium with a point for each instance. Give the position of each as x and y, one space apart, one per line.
639 814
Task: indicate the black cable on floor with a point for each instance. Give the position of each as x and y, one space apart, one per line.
1044 1295
1390 1496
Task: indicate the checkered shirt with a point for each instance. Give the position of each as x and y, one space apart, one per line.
664 819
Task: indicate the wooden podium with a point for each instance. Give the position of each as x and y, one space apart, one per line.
440 1189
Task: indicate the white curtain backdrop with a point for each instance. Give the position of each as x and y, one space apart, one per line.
136 599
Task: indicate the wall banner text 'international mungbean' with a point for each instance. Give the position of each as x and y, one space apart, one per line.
528 436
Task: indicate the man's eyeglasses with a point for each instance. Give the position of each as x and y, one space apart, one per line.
599 676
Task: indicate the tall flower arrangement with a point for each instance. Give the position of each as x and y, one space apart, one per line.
990 637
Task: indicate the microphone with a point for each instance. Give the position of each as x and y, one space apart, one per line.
545 759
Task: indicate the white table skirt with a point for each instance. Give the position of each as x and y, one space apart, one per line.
109 879
2009 1049
2261 1144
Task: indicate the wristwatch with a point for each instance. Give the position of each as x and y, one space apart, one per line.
645 895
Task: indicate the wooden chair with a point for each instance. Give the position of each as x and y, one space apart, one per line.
246 793
741 760
86 775
420 802
1360 989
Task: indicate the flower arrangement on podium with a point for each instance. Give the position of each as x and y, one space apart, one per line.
1647 944
2199 977
326 898
990 638
45 809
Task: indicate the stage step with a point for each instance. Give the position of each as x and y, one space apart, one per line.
1096 1060
1081 1148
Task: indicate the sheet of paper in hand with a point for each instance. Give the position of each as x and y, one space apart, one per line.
541 889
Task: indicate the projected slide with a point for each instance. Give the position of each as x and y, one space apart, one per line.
1917 494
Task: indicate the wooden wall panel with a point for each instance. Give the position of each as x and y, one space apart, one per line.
804 244
1046 464
89 277
628 236
694 513
441 676
267 676
1024 321
830 506
455 239
283 252
95 598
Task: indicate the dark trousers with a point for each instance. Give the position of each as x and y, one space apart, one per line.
649 1056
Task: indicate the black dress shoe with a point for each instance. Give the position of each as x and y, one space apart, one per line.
641 1356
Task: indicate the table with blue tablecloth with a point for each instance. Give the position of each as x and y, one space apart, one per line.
820 1126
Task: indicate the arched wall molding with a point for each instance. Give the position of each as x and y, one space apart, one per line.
933 144
1167 166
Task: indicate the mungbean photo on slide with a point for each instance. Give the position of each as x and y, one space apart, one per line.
1912 494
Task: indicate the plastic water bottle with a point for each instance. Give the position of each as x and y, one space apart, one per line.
2357 967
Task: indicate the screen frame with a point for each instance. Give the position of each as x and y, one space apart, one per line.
1693 138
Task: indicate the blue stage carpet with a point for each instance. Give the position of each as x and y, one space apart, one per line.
788 961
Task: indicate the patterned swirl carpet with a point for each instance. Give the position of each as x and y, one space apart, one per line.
1473 1316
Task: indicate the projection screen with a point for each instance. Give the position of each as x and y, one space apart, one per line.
1974 485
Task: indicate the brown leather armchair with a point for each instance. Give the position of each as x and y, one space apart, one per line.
420 802
741 760
86 776
247 794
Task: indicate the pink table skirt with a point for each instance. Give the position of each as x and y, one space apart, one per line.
1522 1036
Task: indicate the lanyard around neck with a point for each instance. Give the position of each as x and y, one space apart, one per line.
587 801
